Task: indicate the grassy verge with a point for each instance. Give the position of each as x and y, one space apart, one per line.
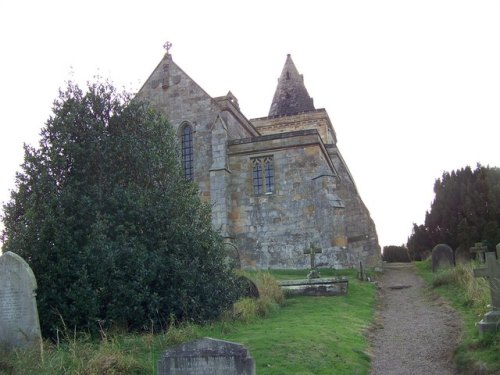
470 297
307 335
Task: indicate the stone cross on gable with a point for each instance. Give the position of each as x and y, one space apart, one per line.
492 273
167 47
480 248
312 251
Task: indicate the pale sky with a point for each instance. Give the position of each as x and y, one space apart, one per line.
412 87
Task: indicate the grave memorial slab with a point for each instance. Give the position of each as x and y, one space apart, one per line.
207 356
315 285
325 286
442 256
19 324
491 320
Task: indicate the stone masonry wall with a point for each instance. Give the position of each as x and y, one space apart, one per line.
272 231
361 234
317 119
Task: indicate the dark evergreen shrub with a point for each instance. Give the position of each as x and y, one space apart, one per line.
395 254
114 233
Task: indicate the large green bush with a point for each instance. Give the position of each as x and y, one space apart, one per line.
114 233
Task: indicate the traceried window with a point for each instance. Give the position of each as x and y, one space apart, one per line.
263 175
187 151
269 174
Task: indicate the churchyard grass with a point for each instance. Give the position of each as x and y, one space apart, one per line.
470 297
307 335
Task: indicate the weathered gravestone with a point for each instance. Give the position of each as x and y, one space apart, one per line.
312 250
491 320
207 357
462 255
442 256
19 324
480 249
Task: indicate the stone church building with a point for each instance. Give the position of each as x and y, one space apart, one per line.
277 184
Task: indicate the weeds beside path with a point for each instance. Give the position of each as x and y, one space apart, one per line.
415 333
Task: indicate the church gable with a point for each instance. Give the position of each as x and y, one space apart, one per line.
176 94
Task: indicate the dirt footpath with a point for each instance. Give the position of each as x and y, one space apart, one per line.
415 333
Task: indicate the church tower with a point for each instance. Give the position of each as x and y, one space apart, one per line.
292 110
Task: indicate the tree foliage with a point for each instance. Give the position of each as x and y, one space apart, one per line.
102 213
395 254
465 210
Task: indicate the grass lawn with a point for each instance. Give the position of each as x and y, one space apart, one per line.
310 335
307 335
475 354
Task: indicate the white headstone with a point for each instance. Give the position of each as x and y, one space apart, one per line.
19 324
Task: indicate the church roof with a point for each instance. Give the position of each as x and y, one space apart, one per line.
291 95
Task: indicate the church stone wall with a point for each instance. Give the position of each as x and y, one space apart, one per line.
272 231
174 93
361 234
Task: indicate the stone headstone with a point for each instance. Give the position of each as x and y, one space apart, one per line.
312 250
207 356
247 287
462 255
19 324
491 321
442 256
480 249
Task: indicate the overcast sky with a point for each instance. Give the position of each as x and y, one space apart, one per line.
412 87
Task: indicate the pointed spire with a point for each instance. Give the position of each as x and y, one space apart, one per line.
291 95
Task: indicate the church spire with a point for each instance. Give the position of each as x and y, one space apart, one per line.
291 95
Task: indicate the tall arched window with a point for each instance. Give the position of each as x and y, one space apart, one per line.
187 151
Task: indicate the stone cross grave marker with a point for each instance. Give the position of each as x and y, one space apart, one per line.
480 249
492 273
491 320
312 250
19 324
207 356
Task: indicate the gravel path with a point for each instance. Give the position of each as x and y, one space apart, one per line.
415 333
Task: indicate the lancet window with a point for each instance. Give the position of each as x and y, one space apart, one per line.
187 151
263 175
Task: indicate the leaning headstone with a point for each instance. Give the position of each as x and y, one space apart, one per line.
19 324
207 356
491 320
442 256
